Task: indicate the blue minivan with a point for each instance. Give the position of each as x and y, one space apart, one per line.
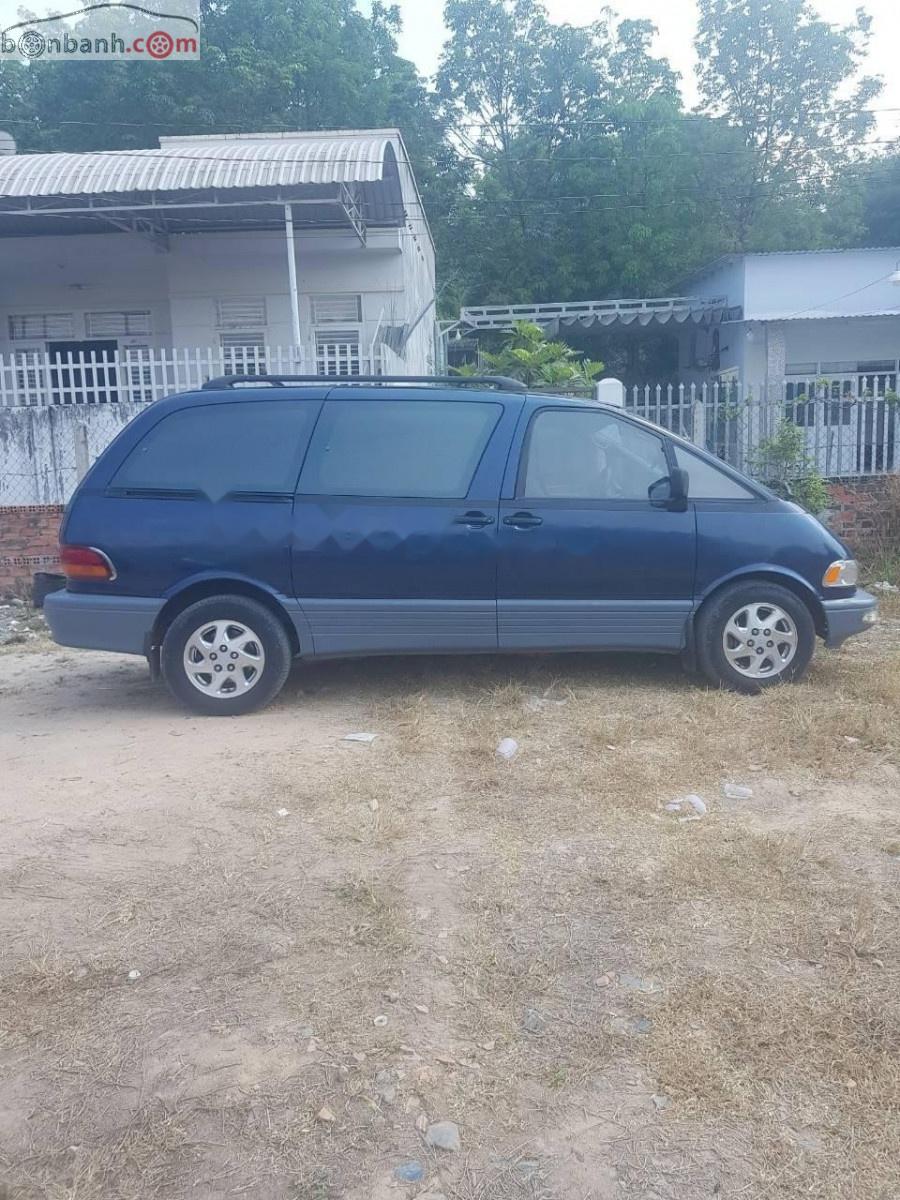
228 531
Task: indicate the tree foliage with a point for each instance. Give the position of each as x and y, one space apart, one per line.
783 462
530 355
789 84
556 161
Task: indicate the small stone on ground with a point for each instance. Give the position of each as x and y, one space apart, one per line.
443 1135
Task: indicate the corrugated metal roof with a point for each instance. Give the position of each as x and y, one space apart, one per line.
279 161
820 315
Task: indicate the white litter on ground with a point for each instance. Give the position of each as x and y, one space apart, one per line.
508 748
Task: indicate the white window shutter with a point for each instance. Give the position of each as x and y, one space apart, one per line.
243 312
42 326
118 324
336 309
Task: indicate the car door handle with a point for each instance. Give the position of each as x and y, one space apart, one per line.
474 519
523 520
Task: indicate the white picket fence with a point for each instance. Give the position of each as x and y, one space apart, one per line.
53 426
33 378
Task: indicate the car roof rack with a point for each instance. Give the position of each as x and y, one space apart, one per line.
502 383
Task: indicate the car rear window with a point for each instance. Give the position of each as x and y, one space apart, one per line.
218 449
400 448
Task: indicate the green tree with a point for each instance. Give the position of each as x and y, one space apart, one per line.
790 84
783 462
881 202
585 177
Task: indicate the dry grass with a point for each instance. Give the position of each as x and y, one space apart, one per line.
551 949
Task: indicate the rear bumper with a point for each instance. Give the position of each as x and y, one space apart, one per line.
119 623
844 618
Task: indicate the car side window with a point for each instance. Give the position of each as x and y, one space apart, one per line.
216 449
590 455
424 449
706 482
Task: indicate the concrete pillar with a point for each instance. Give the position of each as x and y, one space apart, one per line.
292 274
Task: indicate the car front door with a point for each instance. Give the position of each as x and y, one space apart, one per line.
587 559
395 521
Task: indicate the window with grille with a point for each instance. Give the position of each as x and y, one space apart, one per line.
244 312
28 375
337 353
336 309
139 372
243 353
41 327
118 324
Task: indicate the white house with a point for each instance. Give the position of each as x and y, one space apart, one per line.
797 317
812 337
127 274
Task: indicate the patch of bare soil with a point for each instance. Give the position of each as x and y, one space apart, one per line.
249 958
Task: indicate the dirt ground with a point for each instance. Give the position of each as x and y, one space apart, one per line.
341 942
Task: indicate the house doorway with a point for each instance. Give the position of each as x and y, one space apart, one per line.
83 372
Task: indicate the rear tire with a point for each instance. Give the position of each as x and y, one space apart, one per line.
225 656
754 635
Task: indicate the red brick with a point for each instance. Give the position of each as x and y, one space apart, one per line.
29 539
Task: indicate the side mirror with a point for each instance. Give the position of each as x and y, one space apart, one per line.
670 492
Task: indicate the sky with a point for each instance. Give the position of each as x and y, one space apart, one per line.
423 33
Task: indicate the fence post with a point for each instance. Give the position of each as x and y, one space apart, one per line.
610 391
82 453
698 422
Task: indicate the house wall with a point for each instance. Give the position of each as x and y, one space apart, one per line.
394 273
96 273
838 283
843 344
696 342
828 307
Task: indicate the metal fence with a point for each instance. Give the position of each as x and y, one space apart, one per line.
846 427
839 428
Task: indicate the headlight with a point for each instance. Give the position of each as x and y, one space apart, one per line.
843 573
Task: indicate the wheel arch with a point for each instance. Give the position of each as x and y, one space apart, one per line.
786 579
203 589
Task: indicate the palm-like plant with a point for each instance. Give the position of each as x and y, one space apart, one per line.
529 355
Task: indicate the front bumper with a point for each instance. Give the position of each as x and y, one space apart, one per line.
844 618
119 623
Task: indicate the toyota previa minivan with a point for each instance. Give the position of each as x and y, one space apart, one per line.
230 530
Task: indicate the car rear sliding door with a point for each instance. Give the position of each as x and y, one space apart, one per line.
395 521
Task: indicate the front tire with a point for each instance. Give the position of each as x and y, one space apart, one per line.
225 656
753 635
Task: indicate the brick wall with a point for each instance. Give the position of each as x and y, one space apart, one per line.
29 542
858 507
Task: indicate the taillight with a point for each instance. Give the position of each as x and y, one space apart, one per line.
84 562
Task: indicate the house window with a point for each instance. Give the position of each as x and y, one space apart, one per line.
27 365
118 324
41 327
336 309
243 312
139 372
243 353
337 352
